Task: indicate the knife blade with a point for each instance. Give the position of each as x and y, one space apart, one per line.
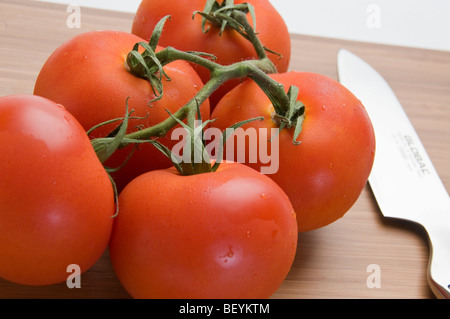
403 179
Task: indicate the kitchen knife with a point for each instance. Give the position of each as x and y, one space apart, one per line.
403 180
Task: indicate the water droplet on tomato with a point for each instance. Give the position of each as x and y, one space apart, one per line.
228 255
263 196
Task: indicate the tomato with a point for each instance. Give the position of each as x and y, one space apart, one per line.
185 33
226 234
56 200
86 74
325 174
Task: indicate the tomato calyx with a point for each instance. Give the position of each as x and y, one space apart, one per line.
147 65
233 16
220 14
196 158
294 116
105 147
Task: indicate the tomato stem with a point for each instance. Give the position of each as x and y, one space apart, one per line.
233 16
150 65
253 69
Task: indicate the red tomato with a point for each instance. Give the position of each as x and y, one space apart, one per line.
87 75
325 174
185 33
227 234
56 200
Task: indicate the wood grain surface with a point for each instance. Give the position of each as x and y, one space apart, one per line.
331 262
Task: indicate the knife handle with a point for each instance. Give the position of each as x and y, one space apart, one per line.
439 264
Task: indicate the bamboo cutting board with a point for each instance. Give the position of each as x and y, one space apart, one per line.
333 262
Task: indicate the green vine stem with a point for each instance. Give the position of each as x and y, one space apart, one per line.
149 65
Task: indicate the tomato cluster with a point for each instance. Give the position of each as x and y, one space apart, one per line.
77 175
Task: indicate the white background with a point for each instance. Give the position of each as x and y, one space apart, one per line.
411 23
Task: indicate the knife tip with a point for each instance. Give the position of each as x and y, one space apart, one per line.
342 53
